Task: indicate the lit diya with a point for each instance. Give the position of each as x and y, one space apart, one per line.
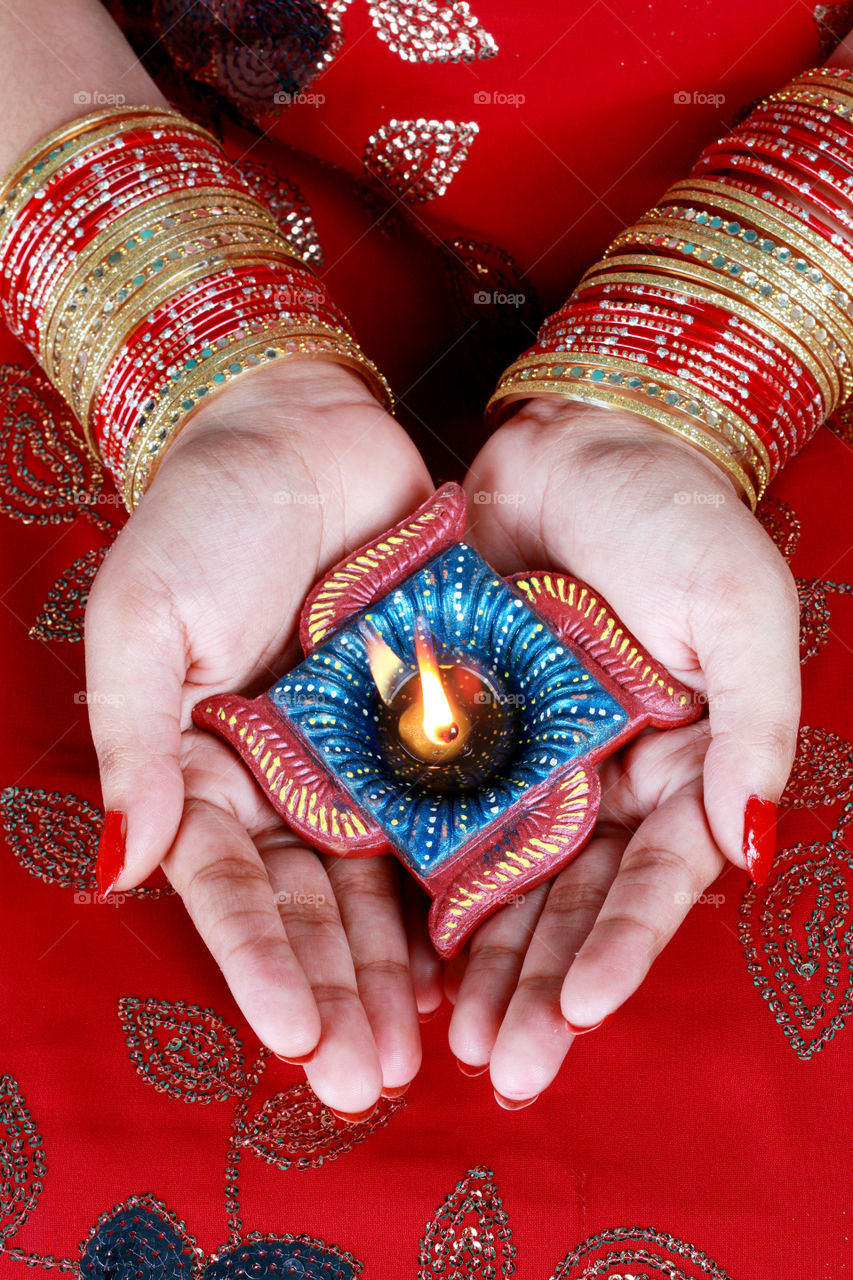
448 715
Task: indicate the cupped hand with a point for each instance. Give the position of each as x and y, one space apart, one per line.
272 482
658 530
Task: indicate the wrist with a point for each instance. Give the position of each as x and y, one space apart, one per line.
593 438
277 404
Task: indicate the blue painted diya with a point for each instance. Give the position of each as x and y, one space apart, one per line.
448 715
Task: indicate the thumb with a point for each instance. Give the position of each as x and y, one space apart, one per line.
135 670
751 665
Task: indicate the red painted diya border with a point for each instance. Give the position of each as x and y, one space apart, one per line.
529 842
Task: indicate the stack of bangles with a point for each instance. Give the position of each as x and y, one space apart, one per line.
143 275
725 314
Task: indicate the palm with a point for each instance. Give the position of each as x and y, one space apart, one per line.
272 484
601 496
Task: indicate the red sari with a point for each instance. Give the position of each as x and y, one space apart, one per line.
705 1130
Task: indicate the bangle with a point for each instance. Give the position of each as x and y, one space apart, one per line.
144 275
725 314
611 397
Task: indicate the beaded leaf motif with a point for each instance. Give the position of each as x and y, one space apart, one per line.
47 474
286 203
822 771
427 31
55 837
294 1128
22 1163
416 160
62 615
189 1053
797 934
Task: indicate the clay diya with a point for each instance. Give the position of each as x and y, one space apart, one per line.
449 716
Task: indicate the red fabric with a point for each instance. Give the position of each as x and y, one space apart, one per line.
705 1112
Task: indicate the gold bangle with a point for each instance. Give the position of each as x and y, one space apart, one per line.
801 353
84 326
607 399
687 269
674 393
770 220
83 288
252 351
776 274
18 186
82 385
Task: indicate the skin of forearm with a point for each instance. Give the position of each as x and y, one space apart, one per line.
52 53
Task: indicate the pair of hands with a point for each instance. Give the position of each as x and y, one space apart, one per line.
276 479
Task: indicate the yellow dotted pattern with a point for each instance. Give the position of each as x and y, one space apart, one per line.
324 607
621 644
573 803
300 800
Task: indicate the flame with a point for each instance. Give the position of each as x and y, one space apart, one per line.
439 724
386 666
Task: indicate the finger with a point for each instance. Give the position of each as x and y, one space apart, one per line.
135 668
638 779
668 863
219 874
496 955
453 971
749 651
367 891
345 1072
424 961
534 1037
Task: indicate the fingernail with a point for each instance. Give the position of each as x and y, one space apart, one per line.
398 1092
514 1104
110 851
353 1117
297 1062
759 837
428 1016
468 1070
582 1031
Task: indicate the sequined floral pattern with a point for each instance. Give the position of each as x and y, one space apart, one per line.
294 1128
822 772
192 1055
428 31
257 56
797 933
22 1162
144 1240
416 160
62 615
287 204
47 474
54 836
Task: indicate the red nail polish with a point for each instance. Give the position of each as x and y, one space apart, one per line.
354 1117
514 1104
428 1016
396 1093
468 1070
582 1031
759 837
111 851
297 1062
